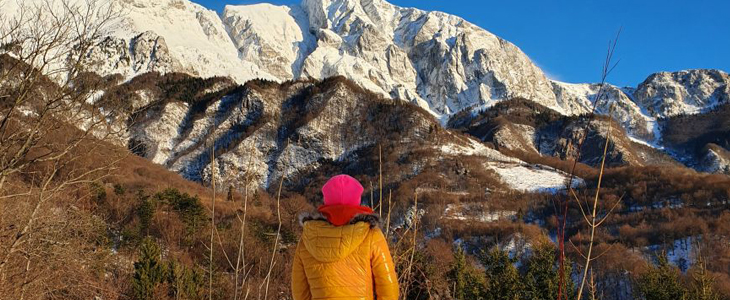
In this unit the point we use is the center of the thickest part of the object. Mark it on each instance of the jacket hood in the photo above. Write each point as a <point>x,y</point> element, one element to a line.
<point>339,215</point>
<point>329,243</point>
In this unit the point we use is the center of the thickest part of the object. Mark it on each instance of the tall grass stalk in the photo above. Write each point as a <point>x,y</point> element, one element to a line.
<point>591,218</point>
<point>561,206</point>
<point>276,239</point>
<point>380,187</point>
<point>212,221</point>
<point>387,220</point>
<point>241,257</point>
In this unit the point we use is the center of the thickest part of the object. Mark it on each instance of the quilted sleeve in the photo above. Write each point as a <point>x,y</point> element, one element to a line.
<point>385,279</point>
<point>299,283</point>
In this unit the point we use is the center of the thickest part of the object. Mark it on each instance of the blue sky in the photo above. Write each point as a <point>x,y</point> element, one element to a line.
<point>568,38</point>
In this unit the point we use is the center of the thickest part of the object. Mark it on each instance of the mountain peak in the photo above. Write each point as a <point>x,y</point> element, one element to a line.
<point>438,61</point>
<point>684,92</point>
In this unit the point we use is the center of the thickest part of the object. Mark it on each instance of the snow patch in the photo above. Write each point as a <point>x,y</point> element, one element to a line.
<point>477,213</point>
<point>533,178</point>
<point>475,148</point>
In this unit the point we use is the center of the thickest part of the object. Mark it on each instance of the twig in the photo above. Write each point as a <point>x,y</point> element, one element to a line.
<point>562,208</point>
<point>380,170</point>
<point>276,240</point>
<point>212,221</point>
<point>387,221</point>
<point>593,225</point>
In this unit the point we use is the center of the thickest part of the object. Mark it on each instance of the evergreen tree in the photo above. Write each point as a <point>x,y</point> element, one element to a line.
<point>503,279</point>
<point>702,283</point>
<point>148,270</point>
<point>465,280</point>
<point>542,276</point>
<point>229,197</point>
<point>661,282</point>
<point>184,282</point>
<point>146,212</point>
<point>189,208</point>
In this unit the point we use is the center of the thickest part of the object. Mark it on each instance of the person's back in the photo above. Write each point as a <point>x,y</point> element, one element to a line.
<point>342,253</point>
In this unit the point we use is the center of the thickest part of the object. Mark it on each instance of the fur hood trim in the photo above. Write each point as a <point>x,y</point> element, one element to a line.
<point>373,219</point>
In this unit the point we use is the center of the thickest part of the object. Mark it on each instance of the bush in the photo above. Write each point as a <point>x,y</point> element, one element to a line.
<point>118,189</point>
<point>98,192</point>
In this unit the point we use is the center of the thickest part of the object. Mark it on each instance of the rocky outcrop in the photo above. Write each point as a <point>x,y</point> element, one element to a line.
<point>668,94</point>
<point>608,100</point>
<point>662,95</point>
<point>146,52</point>
<point>274,38</point>
<point>521,126</point>
<point>716,160</point>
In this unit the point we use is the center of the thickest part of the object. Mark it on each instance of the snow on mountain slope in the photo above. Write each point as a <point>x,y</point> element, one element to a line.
<point>164,36</point>
<point>195,35</point>
<point>580,99</point>
<point>275,38</point>
<point>533,178</point>
<point>661,95</point>
<point>440,61</point>
<point>667,94</point>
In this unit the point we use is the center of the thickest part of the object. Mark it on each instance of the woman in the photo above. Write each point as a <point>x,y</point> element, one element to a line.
<point>343,254</point>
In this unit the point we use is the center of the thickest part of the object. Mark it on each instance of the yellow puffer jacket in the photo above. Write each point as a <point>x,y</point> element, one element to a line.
<point>345,263</point>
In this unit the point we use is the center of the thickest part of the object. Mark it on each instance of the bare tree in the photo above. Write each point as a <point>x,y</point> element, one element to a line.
<point>561,205</point>
<point>590,215</point>
<point>53,140</point>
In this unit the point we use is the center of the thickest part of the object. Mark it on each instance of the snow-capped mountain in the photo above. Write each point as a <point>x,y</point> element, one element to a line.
<point>661,95</point>
<point>438,61</point>
<point>170,36</point>
<point>668,94</point>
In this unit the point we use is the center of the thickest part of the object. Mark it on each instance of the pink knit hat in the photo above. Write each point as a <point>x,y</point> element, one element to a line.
<point>342,190</point>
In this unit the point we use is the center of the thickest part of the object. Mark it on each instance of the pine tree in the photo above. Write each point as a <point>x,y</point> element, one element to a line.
<point>541,280</point>
<point>189,208</point>
<point>145,212</point>
<point>503,279</point>
<point>184,282</point>
<point>464,278</point>
<point>148,270</point>
<point>229,197</point>
<point>702,283</point>
<point>661,282</point>
<point>457,274</point>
